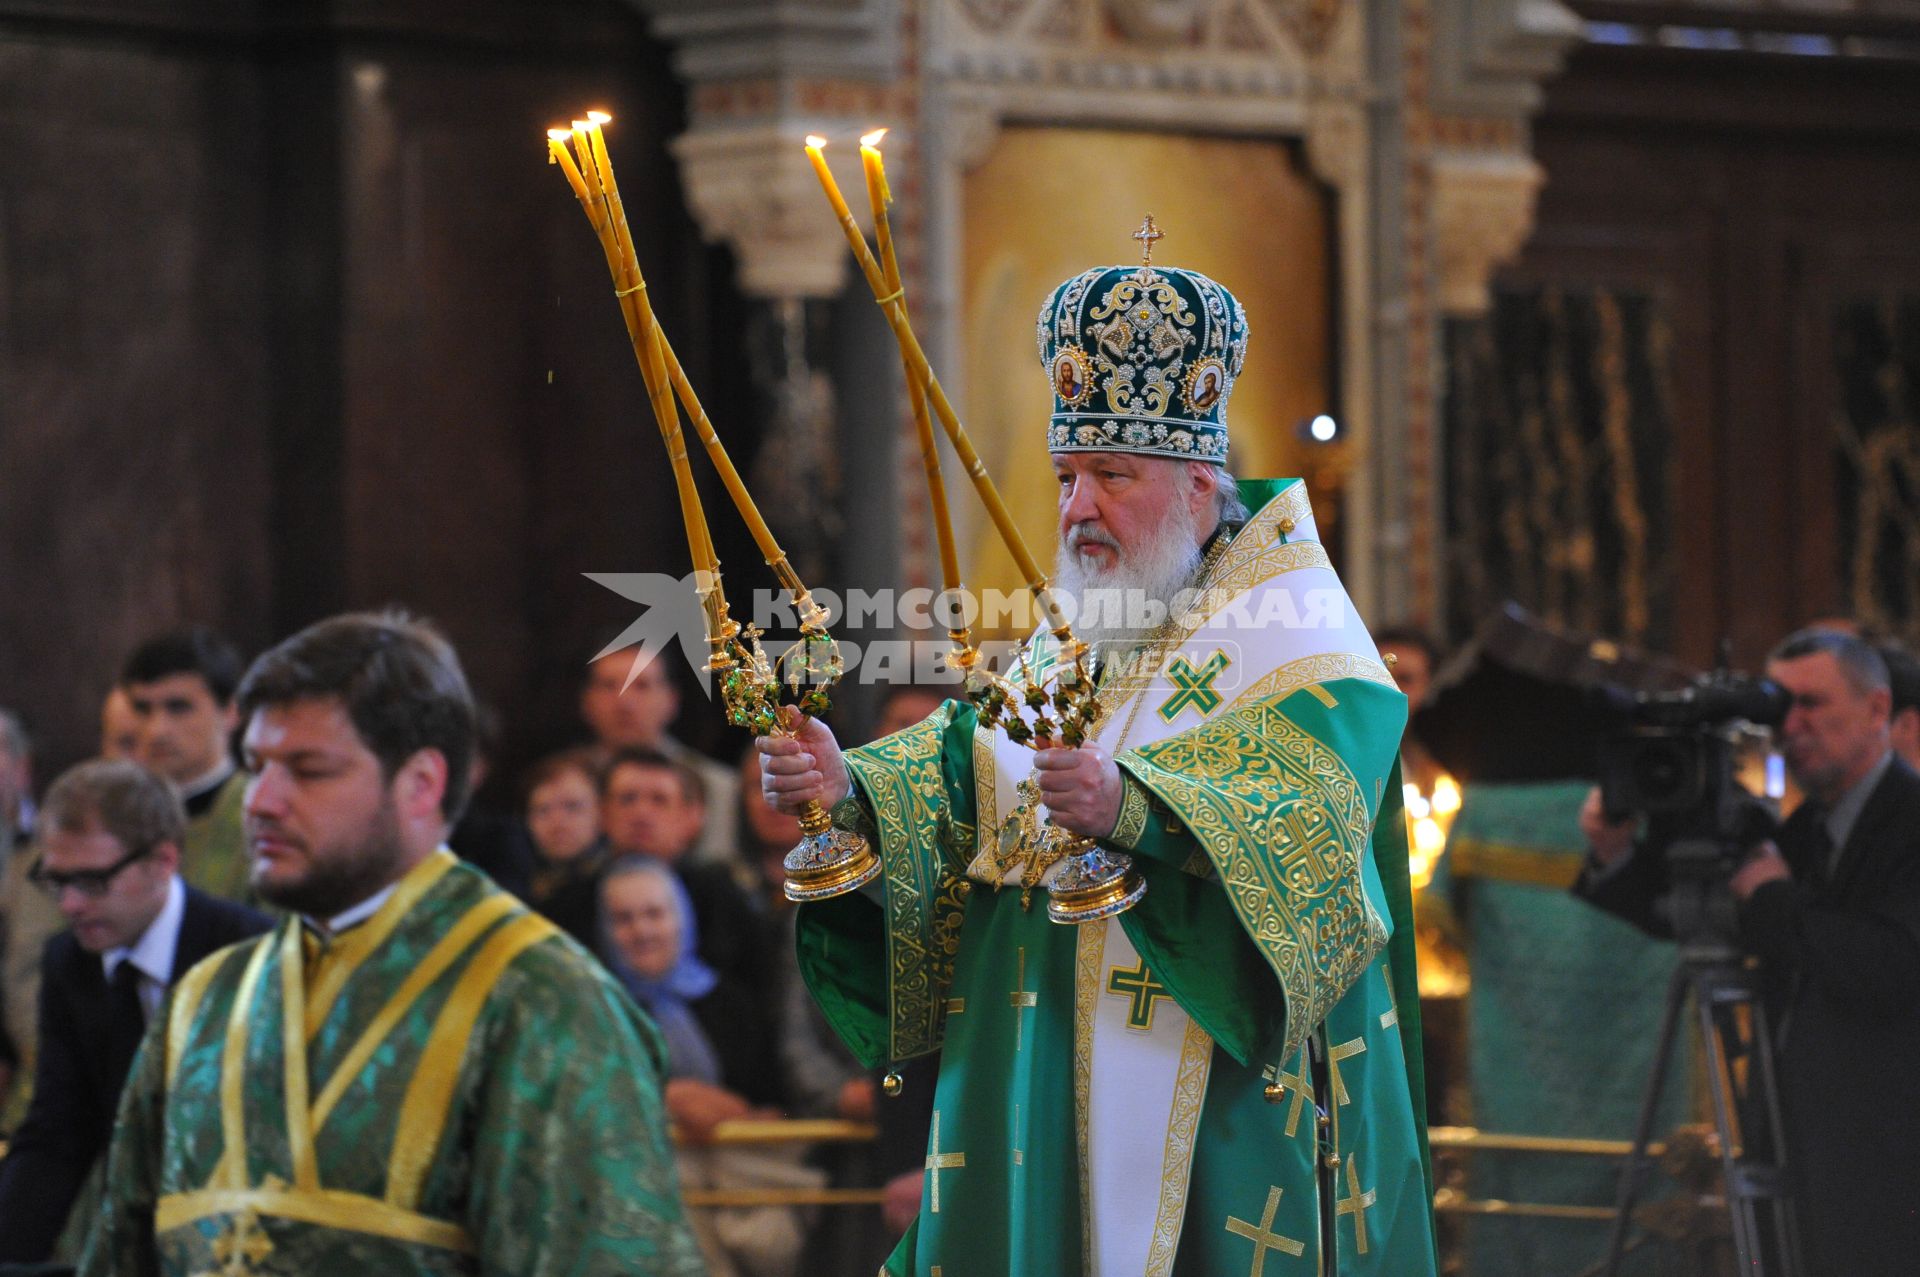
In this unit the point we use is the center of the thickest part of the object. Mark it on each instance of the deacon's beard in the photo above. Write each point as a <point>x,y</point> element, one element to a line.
<point>341,875</point>
<point>1119,607</point>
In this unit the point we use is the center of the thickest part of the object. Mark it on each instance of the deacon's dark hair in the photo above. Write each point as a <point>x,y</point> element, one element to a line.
<point>1903,675</point>
<point>692,788</point>
<point>1865,669</point>
<point>398,679</point>
<point>193,650</point>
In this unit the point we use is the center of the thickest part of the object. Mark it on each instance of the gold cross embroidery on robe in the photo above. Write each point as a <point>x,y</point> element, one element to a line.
<point>1262,1235</point>
<point>1391,1016</point>
<point>1021,1000</point>
<point>1345,1051</point>
<point>1194,686</point>
<point>1297,1083</point>
<point>1355,1203</point>
<point>938,1161</point>
<point>240,1249</point>
<point>1139,985</point>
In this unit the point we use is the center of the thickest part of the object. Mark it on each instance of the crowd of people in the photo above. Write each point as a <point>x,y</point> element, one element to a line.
<point>664,864</point>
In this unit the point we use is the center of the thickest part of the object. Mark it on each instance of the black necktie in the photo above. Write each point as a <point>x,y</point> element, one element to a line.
<point>129,1014</point>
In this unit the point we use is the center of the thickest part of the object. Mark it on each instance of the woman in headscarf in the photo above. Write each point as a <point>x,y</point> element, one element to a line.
<point>722,1064</point>
<point>722,1054</point>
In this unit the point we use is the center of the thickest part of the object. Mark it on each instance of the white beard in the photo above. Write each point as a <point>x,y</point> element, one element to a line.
<point>1116,609</point>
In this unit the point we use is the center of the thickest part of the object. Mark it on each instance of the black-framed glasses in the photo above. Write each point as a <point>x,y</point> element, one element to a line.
<point>92,883</point>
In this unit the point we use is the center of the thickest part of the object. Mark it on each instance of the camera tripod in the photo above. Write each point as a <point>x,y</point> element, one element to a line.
<point>1716,977</point>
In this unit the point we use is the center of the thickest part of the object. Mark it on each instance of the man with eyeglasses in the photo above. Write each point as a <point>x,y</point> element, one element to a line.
<point>110,836</point>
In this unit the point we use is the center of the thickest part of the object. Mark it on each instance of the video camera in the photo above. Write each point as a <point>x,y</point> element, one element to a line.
<point>1674,766</point>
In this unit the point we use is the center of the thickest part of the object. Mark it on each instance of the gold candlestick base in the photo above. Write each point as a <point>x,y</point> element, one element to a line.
<point>1093,883</point>
<point>828,862</point>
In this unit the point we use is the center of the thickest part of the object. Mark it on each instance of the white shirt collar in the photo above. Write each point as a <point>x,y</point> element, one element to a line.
<point>348,918</point>
<point>152,954</point>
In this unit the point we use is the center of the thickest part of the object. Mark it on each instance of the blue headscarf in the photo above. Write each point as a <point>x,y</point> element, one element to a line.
<point>668,998</point>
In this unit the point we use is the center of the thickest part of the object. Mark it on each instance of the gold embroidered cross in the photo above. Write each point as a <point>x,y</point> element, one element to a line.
<point>1263,1237</point>
<point>241,1248</point>
<point>1020,1000</point>
<point>1195,685</point>
<point>938,1161</point>
<point>1148,235</point>
<point>1308,844</point>
<point>1391,1016</point>
<point>1019,1154</point>
<point>1139,985</point>
<point>1345,1051</point>
<point>1355,1203</point>
<point>1297,1083</point>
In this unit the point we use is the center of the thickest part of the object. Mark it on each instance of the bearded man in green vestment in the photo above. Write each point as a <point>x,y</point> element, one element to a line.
<point>1226,1077</point>
<point>413,1073</point>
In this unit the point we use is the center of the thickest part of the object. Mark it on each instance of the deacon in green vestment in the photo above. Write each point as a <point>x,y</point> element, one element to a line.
<point>179,690</point>
<point>1225,1078</point>
<point>413,1073</point>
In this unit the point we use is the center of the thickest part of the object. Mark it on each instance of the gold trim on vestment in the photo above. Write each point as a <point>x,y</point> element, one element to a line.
<point>1310,671</point>
<point>1090,955</point>
<point>348,950</point>
<point>444,954</point>
<point>986,799</point>
<point>1176,1163</point>
<point>231,1170</point>
<point>429,1098</point>
<point>293,1050</point>
<point>184,1007</point>
<point>984,864</point>
<point>1291,505</point>
<point>1131,826</point>
<point>900,775</point>
<point>1287,826</point>
<point>325,1207</point>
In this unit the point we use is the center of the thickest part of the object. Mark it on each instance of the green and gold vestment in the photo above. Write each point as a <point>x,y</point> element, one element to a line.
<point>451,1086</point>
<point>1103,1101</point>
<point>214,857</point>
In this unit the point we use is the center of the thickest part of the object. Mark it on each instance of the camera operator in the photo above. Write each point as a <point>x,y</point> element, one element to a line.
<point>1832,909</point>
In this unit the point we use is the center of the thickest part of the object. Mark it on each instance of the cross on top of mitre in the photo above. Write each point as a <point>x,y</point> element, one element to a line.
<point>1148,235</point>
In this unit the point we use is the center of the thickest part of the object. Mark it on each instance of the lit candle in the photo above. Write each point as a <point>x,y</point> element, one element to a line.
<point>557,153</point>
<point>601,198</point>
<point>660,368</point>
<point>922,377</point>
<point>879,195</point>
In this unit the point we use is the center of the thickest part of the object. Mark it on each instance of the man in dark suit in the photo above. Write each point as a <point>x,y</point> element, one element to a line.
<point>110,837</point>
<point>1832,909</point>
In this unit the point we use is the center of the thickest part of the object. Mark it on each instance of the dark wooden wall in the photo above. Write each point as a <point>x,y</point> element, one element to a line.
<point>1749,200</point>
<point>294,317</point>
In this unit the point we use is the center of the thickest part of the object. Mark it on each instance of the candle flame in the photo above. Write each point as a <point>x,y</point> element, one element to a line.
<point>559,135</point>
<point>579,126</point>
<point>872,139</point>
<point>815,142</point>
<point>599,117</point>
